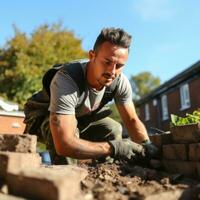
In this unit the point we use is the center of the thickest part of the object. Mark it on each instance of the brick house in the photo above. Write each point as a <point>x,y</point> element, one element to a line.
<point>11,120</point>
<point>179,95</point>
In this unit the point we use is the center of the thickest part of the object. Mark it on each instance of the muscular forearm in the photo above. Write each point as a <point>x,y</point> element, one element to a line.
<point>82,149</point>
<point>137,130</point>
<point>63,129</point>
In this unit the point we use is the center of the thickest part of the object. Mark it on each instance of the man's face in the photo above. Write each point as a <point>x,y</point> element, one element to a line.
<point>107,63</point>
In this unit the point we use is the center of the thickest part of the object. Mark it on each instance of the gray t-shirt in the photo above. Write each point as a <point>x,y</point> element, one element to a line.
<point>65,96</point>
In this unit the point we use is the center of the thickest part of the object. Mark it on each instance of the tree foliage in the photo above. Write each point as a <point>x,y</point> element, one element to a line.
<point>143,83</point>
<point>23,60</point>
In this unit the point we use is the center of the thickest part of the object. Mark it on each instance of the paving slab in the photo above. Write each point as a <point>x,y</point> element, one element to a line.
<point>10,197</point>
<point>47,182</point>
<point>11,161</point>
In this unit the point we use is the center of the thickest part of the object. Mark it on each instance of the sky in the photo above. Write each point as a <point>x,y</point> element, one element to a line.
<point>166,33</point>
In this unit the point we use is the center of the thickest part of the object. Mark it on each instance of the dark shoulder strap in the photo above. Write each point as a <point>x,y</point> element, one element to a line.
<point>74,70</point>
<point>48,76</point>
<point>110,91</point>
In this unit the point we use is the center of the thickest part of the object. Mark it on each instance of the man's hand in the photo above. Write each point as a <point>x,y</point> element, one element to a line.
<point>126,149</point>
<point>151,151</point>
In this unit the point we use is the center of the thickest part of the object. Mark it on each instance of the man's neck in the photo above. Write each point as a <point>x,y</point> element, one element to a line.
<point>90,78</point>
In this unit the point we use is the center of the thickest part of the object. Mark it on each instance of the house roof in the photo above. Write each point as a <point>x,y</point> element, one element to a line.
<point>12,113</point>
<point>191,71</point>
<point>8,106</point>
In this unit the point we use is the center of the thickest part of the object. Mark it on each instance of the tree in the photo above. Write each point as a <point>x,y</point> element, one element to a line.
<point>143,83</point>
<point>23,60</point>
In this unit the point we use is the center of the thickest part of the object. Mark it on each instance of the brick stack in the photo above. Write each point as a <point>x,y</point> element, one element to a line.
<point>23,175</point>
<point>180,149</point>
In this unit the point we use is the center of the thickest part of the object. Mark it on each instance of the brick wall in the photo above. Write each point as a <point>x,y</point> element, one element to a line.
<point>11,124</point>
<point>180,150</point>
<point>174,105</point>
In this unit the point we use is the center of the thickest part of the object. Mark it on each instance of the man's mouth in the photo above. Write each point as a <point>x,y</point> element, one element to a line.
<point>109,77</point>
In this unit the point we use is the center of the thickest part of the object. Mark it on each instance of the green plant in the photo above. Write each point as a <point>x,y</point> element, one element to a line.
<point>188,119</point>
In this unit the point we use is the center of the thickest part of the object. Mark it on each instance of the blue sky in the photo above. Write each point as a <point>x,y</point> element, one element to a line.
<point>166,33</point>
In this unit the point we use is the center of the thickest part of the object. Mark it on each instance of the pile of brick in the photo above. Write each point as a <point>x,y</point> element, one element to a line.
<point>23,176</point>
<point>180,149</point>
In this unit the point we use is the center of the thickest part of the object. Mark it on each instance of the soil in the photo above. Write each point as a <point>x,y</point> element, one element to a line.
<point>124,181</point>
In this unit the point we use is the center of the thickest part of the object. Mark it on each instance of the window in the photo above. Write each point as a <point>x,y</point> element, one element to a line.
<point>165,114</point>
<point>185,96</point>
<point>147,114</point>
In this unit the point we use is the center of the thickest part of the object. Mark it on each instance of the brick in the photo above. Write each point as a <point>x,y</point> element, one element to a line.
<point>194,152</point>
<point>186,134</point>
<point>198,169</point>
<point>47,183</point>
<point>187,168</point>
<point>18,143</point>
<point>160,139</point>
<point>10,197</point>
<point>11,161</point>
<point>175,151</point>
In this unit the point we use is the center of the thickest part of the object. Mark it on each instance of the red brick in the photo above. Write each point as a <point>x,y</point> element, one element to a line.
<point>187,168</point>
<point>18,143</point>
<point>186,134</point>
<point>59,182</point>
<point>11,161</point>
<point>160,139</point>
<point>198,169</point>
<point>194,152</point>
<point>175,151</point>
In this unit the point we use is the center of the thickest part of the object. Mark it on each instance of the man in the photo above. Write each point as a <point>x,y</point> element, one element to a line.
<point>75,134</point>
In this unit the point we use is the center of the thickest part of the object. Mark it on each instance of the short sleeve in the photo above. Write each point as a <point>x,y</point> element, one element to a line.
<point>64,94</point>
<point>123,93</point>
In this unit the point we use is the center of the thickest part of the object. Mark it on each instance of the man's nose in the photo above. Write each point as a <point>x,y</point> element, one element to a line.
<point>112,69</point>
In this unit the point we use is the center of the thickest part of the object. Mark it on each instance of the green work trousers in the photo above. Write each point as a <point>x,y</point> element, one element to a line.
<point>98,131</point>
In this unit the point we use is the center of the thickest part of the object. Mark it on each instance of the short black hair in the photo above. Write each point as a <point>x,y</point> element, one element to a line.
<point>115,36</point>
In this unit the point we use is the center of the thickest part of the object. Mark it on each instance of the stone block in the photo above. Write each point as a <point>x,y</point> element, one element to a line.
<point>171,195</point>
<point>187,168</point>
<point>47,183</point>
<point>194,152</point>
<point>186,134</point>
<point>10,197</point>
<point>175,151</point>
<point>11,161</point>
<point>160,139</point>
<point>18,143</point>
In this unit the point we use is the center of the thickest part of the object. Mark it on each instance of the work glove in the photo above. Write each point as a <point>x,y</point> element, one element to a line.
<point>125,149</point>
<point>150,150</point>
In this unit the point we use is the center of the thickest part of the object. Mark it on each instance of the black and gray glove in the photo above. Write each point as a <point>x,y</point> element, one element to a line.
<point>125,149</point>
<point>151,151</point>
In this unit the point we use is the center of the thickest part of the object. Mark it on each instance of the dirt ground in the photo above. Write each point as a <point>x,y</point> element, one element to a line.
<point>123,181</point>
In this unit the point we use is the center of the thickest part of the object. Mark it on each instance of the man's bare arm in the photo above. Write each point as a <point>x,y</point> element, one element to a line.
<point>63,129</point>
<point>136,128</point>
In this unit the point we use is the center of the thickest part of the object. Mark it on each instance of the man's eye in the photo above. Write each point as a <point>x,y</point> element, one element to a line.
<point>119,66</point>
<point>107,62</point>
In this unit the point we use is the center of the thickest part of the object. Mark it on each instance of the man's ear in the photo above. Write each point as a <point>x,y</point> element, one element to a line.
<point>91,55</point>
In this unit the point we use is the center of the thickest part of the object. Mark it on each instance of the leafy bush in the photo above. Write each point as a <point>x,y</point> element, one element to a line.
<point>189,119</point>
